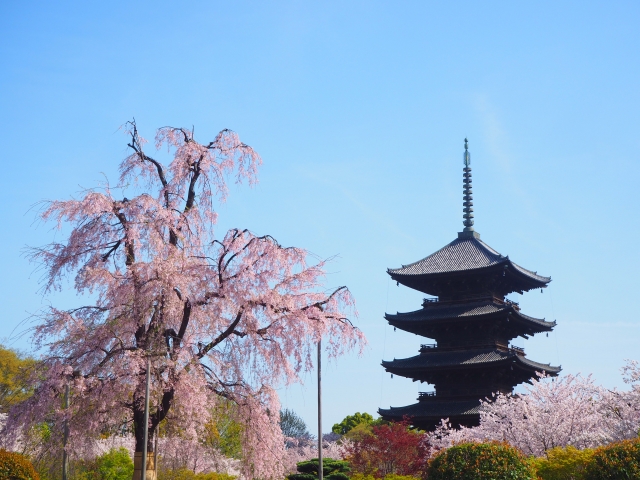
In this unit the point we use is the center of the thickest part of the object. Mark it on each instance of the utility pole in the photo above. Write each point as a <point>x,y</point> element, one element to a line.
<point>320,466</point>
<point>65,436</point>
<point>146,422</point>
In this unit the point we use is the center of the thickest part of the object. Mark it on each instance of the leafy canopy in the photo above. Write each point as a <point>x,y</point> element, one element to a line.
<point>15,370</point>
<point>350,421</point>
<point>292,425</point>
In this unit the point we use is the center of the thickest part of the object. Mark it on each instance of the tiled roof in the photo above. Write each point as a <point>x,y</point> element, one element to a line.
<point>436,311</point>
<point>454,358</point>
<point>468,253</point>
<point>434,408</point>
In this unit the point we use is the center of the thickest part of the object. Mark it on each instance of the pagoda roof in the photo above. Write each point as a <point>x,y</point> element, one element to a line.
<point>457,358</point>
<point>465,254</point>
<point>435,409</point>
<point>434,312</point>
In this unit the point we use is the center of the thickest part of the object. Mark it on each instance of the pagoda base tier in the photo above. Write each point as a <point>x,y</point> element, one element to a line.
<point>428,415</point>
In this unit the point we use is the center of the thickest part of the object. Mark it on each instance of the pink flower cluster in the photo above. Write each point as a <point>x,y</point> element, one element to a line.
<point>569,410</point>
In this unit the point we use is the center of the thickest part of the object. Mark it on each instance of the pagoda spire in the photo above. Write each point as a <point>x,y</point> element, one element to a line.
<point>467,196</point>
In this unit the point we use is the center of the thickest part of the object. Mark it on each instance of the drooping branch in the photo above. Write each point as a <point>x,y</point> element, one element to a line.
<point>229,330</point>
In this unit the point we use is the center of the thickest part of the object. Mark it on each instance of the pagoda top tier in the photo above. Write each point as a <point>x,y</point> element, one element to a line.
<point>467,266</point>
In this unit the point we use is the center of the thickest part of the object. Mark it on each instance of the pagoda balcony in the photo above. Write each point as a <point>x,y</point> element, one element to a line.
<point>422,396</point>
<point>459,393</point>
<point>433,347</point>
<point>486,297</point>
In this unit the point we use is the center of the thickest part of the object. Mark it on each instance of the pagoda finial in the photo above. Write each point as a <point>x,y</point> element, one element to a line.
<point>467,196</point>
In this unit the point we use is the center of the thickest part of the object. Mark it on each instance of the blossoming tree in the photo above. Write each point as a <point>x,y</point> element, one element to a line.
<point>218,317</point>
<point>569,411</point>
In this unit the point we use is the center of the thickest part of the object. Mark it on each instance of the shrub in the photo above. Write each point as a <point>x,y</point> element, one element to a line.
<point>619,461</point>
<point>480,461</point>
<point>16,466</point>
<point>388,449</point>
<point>563,464</point>
<point>392,476</point>
<point>115,465</point>
<point>186,474</point>
<point>331,470</point>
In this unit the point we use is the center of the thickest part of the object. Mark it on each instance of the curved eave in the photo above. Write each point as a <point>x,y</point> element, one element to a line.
<point>530,280</point>
<point>411,321</point>
<point>529,274</point>
<point>540,367</point>
<point>434,409</point>
<point>408,367</point>
<point>464,256</point>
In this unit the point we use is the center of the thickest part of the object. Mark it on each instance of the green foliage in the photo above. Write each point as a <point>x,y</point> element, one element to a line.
<point>359,432</point>
<point>480,461</point>
<point>292,425</point>
<point>115,465</point>
<point>619,461</point>
<point>331,470</point>
<point>16,467</point>
<point>563,464</point>
<point>391,476</point>
<point>186,474</point>
<point>15,370</point>
<point>223,432</point>
<point>350,421</point>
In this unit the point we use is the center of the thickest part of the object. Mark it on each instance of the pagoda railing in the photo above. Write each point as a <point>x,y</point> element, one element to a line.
<point>518,350</point>
<point>459,393</point>
<point>430,300</point>
<point>425,395</point>
<point>429,347</point>
<point>512,303</point>
<point>470,298</point>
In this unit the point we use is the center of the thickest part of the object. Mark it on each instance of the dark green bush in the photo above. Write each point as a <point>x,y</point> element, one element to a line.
<point>331,470</point>
<point>16,467</point>
<point>480,461</point>
<point>617,461</point>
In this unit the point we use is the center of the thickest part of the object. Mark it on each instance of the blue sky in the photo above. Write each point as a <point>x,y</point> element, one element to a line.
<point>359,110</point>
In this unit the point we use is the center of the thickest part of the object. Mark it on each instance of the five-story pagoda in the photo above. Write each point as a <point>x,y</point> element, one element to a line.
<point>472,323</point>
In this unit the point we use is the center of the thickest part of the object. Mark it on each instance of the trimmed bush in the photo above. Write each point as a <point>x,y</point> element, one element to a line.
<point>564,463</point>
<point>16,467</point>
<point>331,470</point>
<point>480,461</point>
<point>617,461</point>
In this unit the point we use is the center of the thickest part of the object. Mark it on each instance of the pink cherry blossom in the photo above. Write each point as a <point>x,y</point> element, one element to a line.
<point>219,317</point>
<point>570,410</point>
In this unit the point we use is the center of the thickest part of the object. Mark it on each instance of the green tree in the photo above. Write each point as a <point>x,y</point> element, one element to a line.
<point>15,369</point>
<point>224,432</point>
<point>292,425</point>
<point>115,465</point>
<point>350,421</point>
